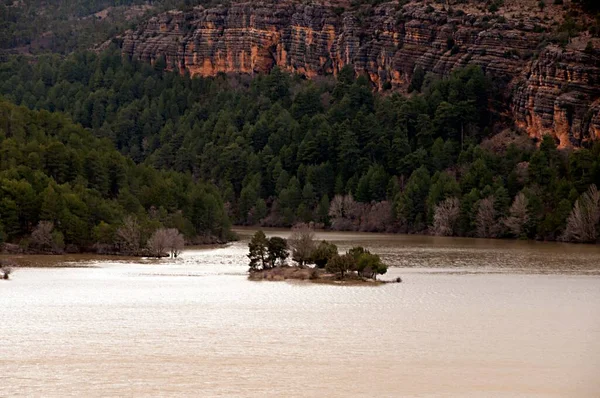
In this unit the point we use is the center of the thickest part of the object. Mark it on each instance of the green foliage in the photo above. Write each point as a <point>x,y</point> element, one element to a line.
<point>341,265</point>
<point>370,265</point>
<point>277,148</point>
<point>258,251</point>
<point>278,251</point>
<point>54,170</point>
<point>411,203</point>
<point>324,252</point>
<point>272,156</point>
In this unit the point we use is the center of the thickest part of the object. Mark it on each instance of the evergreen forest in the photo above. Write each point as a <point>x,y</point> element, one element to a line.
<point>128,137</point>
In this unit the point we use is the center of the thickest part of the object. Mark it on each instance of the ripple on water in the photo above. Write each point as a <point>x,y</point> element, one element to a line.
<point>470,319</point>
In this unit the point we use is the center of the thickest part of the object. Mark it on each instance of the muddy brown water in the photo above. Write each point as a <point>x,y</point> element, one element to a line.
<point>472,318</point>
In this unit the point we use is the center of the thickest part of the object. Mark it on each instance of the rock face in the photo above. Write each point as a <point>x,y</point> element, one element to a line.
<point>546,89</point>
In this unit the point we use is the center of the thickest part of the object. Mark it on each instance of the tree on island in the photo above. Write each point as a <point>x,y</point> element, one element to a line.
<point>341,265</point>
<point>370,265</point>
<point>267,253</point>
<point>323,253</point>
<point>278,251</point>
<point>271,254</point>
<point>302,243</point>
<point>367,264</point>
<point>259,253</point>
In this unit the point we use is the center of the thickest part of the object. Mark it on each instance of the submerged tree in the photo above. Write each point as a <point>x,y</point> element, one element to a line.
<point>166,241</point>
<point>158,242</point>
<point>175,242</point>
<point>6,268</point>
<point>6,271</point>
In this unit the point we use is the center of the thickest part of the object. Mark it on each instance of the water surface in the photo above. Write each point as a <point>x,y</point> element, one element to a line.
<point>472,318</point>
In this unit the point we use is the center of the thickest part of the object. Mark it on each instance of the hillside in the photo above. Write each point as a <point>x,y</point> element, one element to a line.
<point>282,149</point>
<point>544,59</point>
<point>403,118</point>
<point>54,171</point>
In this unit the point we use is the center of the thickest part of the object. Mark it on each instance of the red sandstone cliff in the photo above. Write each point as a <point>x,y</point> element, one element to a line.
<point>547,88</point>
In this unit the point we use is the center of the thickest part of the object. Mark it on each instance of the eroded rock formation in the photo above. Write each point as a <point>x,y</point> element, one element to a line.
<point>547,89</point>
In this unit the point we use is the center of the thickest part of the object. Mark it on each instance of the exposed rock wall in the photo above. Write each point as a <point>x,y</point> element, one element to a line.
<point>548,91</point>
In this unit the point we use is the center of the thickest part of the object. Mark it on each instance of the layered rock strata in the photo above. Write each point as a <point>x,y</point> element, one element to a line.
<point>545,88</point>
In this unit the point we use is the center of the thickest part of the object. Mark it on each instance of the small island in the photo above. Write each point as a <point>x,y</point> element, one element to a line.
<point>313,262</point>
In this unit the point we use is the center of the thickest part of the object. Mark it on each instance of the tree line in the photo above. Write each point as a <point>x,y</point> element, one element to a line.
<point>283,150</point>
<point>62,188</point>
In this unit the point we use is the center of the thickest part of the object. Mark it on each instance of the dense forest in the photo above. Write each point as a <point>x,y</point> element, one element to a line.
<point>283,150</point>
<point>71,190</point>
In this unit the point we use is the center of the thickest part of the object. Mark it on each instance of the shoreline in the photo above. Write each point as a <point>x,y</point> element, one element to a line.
<point>33,259</point>
<point>245,230</point>
<point>13,249</point>
<point>313,275</point>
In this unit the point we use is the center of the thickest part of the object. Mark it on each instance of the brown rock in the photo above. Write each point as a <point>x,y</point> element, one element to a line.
<point>556,93</point>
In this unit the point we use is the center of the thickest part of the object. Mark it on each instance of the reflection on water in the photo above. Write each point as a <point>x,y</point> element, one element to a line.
<point>472,318</point>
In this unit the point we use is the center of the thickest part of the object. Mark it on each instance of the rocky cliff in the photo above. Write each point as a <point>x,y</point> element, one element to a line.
<point>545,88</point>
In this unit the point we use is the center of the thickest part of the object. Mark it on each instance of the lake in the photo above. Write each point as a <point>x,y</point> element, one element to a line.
<point>472,318</point>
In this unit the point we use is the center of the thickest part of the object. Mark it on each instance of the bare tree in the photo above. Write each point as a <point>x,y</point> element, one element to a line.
<point>583,221</point>
<point>346,213</point>
<point>302,243</point>
<point>445,217</point>
<point>486,218</point>
<point>519,216</point>
<point>176,242</point>
<point>336,207</point>
<point>377,217</point>
<point>158,242</point>
<point>165,241</point>
<point>130,236</point>
<point>41,237</point>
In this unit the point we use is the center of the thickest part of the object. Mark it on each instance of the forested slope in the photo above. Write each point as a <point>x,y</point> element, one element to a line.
<point>282,150</point>
<point>53,170</point>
